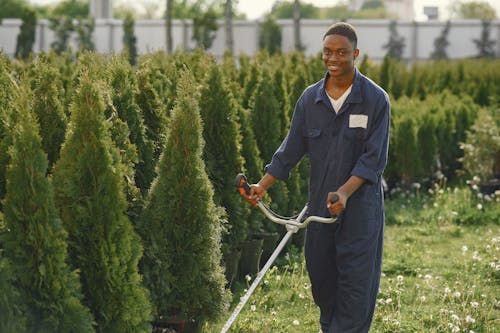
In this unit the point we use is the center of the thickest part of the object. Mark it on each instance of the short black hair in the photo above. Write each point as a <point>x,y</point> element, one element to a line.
<point>344,29</point>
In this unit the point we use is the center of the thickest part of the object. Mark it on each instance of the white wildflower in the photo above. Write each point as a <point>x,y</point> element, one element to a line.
<point>457,294</point>
<point>423,299</point>
<point>388,301</point>
<point>474,304</point>
<point>479,206</point>
<point>400,277</point>
<point>295,322</point>
<point>253,308</point>
<point>470,320</point>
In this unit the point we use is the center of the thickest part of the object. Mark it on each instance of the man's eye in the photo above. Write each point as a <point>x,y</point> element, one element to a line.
<point>341,53</point>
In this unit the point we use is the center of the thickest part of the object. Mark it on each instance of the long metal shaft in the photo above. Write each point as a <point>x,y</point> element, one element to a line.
<point>258,278</point>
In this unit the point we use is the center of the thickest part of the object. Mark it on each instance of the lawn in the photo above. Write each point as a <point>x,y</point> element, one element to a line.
<point>441,272</point>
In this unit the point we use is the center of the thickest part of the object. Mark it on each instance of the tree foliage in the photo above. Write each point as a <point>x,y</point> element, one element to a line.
<point>26,37</point>
<point>484,44</point>
<point>474,10</point>
<point>396,44</point>
<point>441,43</point>
<point>181,225</point>
<point>88,179</point>
<point>36,240</point>
<point>270,35</point>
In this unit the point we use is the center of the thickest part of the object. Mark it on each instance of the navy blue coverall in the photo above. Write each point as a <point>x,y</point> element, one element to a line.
<point>343,259</point>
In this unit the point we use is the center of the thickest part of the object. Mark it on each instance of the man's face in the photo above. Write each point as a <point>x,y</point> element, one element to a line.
<point>339,55</point>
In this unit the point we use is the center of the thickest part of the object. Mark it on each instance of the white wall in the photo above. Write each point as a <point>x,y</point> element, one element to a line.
<point>372,35</point>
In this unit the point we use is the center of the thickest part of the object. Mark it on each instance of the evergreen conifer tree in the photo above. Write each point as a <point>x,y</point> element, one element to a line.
<point>253,164</point>
<point>88,179</point>
<point>251,81</point>
<point>181,225</point>
<point>441,43</point>
<point>266,120</point>
<point>7,96</point>
<point>222,153</point>
<point>124,89</point>
<point>12,319</point>
<point>36,240</point>
<point>396,44</point>
<point>154,111</point>
<point>129,39</point>
<point>26,37</point>
<point>484,44</point>
<point>385,73</point>
<point>47,88</point>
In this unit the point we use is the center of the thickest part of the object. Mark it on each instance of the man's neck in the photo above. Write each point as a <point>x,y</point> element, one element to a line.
<point>342,82</point>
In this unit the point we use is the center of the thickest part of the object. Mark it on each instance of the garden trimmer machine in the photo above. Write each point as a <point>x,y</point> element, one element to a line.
<point>292,225</point>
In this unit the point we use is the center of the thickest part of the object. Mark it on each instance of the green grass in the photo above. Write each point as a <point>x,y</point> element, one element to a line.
<point>441,273</point>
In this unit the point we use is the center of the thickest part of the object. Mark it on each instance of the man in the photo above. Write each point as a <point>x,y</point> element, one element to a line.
<point>342,123</point>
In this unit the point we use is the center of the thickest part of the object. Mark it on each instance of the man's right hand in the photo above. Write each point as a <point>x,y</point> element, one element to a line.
<point>257,192</point>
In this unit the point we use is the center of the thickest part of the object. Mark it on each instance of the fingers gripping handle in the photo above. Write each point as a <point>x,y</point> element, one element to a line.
<point>242,184</point>
<point>334,198</point>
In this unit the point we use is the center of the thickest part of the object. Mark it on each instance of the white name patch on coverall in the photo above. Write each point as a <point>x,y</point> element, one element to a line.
<point>358,120</point>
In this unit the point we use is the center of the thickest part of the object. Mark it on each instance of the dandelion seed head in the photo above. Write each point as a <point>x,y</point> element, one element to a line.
<point>253,308</point>
<point>474,304</point>
<point>457,294</point>
<point>400,277</point>
<point>470,319</point>
<point>296,322</point>
<point>479,206</point>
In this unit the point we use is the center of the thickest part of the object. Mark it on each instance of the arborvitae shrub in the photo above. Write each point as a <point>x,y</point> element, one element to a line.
<point>48,93</point>
<point>181,226</point>
<point>35,242</point>
<point>26,37</point>
<point>251,81</point>
<point>12,319</point>
<point>222,153</point>
<point>129,39</point>
<point>88,179</point>
<point>253,165</point>
<point>266,121</point>
<point>7,97</point>
<point>154,112</point>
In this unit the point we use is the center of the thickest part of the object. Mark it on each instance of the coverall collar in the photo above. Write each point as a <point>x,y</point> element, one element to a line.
<point>354,97</point>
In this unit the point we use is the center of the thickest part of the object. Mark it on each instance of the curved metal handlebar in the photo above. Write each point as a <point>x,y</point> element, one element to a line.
<point>289,222</point>
<point>294,222</point>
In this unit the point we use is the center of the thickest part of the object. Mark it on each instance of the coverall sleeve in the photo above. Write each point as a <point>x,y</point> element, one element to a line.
<point>372,162</point>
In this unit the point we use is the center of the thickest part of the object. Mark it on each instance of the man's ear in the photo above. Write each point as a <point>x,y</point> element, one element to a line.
<point>356,53</point>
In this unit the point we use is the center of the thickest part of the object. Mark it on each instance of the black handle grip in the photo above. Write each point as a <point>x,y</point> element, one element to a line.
<point>242,184</point>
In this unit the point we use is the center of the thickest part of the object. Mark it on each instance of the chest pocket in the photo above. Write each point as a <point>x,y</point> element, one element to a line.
<point>312,133</point>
